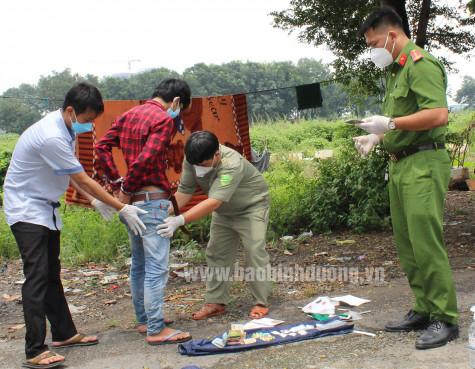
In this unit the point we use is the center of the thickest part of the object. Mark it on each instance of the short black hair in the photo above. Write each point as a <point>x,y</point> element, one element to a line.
<point>201,146</point>
<point>170,88</point>
<point>384,15</point>
<point>83,96</point>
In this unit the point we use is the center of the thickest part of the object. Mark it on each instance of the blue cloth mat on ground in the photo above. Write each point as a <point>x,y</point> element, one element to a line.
<point>329,327</point>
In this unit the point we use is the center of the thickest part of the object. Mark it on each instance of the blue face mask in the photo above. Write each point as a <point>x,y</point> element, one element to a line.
<point>80,127</point>
<point>172,113</point>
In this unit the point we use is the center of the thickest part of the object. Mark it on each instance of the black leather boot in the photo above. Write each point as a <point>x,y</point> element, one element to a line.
<point>437,334</point>
<point>411,322</point>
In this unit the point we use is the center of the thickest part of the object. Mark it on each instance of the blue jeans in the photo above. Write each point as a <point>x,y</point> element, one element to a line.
<point>149,270</point>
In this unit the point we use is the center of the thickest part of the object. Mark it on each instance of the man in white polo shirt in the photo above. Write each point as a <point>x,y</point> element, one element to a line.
<point>43,165</point>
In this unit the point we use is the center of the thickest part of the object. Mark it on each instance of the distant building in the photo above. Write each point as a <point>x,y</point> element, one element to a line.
<point>121,75</point>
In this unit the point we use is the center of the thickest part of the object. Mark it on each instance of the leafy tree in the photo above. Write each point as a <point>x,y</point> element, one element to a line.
<point>16,115</point>
<point>466,93</point>
<point>54,87</point>
<point>432,24</point>
<point>251,77</point>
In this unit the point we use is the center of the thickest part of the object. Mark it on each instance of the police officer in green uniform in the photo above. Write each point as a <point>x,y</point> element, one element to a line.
<point>238,198</point>
<point>412,129</point>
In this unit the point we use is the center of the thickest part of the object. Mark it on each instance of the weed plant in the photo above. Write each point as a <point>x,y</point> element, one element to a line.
<point>319,195</point>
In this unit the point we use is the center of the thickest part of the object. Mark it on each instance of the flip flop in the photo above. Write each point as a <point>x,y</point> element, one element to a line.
<point>76,341</point>
<point>167,342</point>
<point>167,323</point>
<point>207,311</point>
<point>45,355</point>
<point>260,311</point>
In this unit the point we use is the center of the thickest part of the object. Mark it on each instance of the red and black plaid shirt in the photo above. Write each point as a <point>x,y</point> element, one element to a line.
<point>143,134</point>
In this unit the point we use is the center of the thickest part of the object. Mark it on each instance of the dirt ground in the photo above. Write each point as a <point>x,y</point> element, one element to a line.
<point>99,298</point>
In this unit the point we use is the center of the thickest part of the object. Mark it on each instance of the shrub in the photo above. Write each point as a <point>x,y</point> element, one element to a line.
<point>345,192</point>
<point>5,157</point>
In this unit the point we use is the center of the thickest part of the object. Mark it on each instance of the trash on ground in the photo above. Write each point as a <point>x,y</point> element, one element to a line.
<point>109,279</point>
<point>350,300</point>
<point>304,236</point>
<point>321,305</point>
<point>174,297</point>
<point>181,274</point>
<point>365,333</point>
<point>76,309</point>
<point>93,273</point>
<point>178,266</point>
<point>345,242</point>
<point>344,258</point>
<point>323,253</point>
<point>287,252</point>
<point>16,328</point>
<point>287,238</point>
<point>9,298</point>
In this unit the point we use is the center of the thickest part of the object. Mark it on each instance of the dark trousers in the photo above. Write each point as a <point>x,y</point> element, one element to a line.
<point>42,291</point>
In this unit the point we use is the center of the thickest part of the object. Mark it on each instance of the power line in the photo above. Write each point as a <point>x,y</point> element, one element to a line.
<point>47,100</point>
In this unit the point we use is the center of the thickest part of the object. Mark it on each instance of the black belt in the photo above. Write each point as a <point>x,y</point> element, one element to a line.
<point>414,149</point>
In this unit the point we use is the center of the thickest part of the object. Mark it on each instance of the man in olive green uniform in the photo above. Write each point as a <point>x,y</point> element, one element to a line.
<point>238,198</point>
<point>413,132</point>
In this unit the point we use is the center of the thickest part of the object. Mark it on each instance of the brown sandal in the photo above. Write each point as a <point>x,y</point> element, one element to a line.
<point>35,362</point>
<point>258,312</point>
<point>207,311</point>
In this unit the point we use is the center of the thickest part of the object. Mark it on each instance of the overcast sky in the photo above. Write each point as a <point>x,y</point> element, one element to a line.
<point>100,37</point>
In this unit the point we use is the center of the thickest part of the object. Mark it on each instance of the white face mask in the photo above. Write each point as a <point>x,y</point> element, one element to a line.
<point>382,57</point>
<point>202,171</point>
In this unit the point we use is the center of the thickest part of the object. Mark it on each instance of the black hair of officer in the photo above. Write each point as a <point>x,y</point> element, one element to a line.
<point>384,15</point>
<point>201,146</point>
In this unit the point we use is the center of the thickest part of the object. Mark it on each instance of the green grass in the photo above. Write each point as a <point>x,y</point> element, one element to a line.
<point>307,195</point>
<point>8,141</point>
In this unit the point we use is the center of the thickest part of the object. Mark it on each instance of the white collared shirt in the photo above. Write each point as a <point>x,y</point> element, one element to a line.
<point>39,171</point>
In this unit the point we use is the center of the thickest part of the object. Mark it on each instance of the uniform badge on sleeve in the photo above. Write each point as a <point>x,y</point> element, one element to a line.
<point>416,55</point>
<point>226,179</point>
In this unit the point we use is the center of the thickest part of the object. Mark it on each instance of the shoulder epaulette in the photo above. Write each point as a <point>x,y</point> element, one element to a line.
<point>416,55</point>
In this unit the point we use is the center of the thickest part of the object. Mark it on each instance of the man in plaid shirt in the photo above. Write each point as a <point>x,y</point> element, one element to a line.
<point>144,134</point>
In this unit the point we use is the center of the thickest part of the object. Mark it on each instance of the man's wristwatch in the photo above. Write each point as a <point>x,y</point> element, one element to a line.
<point>391,124</point>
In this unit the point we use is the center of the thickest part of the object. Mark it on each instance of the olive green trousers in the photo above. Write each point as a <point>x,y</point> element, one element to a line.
<point>226,233</point>
<point>417,189</point>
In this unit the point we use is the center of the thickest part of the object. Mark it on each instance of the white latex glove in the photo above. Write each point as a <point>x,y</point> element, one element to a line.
<point>129,212</point>
<point>170,225</point>
<point>103,209</point>
<point>376,124</point>
<point>364,144</point>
